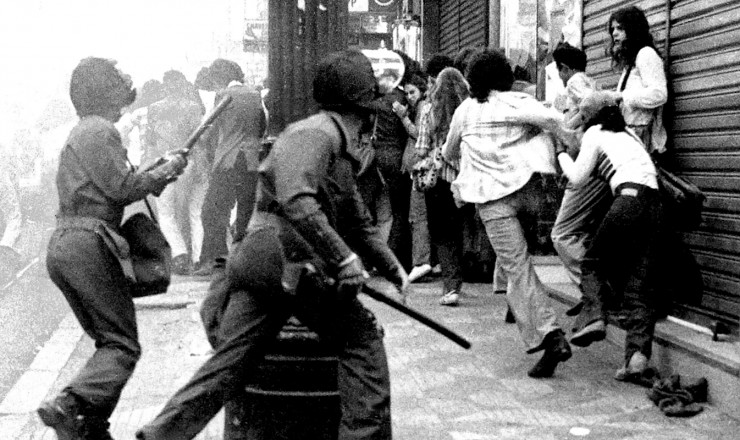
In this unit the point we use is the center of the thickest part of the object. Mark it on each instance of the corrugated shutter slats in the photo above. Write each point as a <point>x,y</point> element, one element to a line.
<point>704,70</point>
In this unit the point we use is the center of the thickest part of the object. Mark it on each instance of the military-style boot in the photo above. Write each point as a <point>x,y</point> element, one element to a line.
<point>63,415</point>
<point>557,350</point>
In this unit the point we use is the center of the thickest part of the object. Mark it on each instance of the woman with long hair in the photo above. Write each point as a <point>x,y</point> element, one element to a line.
<point>642,89</point>
<point>443,216</point>
<point>490,136</point>
<point>416,90</point>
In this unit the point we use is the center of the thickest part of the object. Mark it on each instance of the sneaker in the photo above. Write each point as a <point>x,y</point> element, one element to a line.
<point>62,415</point>
<point>181,264</point>
<point>451,298</point>
<point>203,269</point>
<point>635,367</point>
<point>419,271</point>
<point>557,350</point>
<point>593,332</point>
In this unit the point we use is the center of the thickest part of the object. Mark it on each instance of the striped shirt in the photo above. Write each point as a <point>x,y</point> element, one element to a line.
<point>430,146</point>
<point>616,158</point>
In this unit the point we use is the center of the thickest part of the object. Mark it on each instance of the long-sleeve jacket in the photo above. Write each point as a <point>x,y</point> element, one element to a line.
<point>644,94</point>
<point>94,179</point>
<point>491,139</point>
<point>308,191</point>
<point>238,129</point>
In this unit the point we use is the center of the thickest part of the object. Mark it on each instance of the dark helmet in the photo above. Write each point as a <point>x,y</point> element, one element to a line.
<point>345,79</point>
<point>97,86</point>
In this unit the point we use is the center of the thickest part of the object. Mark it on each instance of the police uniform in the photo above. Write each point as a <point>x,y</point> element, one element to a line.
<point>307,180</point>
<point>94,185</point>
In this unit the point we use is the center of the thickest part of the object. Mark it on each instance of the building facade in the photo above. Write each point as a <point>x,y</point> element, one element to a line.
<point>700,41</point>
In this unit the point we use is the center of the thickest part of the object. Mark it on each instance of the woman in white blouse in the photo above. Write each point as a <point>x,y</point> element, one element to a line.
<point>642,88</point>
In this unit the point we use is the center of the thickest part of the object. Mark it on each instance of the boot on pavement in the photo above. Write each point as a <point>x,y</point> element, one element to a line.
<point>63,415</point>
<point>557,350</point>
<point>95,428</point>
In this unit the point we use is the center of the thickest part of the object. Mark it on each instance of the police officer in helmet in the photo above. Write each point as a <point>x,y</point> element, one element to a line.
<point>308,211</point>
<point>84,257</point>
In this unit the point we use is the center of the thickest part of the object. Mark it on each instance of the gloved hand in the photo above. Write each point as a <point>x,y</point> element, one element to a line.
<point>351,277</point>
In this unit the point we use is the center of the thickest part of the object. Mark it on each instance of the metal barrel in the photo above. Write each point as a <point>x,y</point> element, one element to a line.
<point>292,396</point>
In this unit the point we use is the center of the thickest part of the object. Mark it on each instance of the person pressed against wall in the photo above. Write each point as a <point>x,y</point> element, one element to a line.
<point>584,206</point>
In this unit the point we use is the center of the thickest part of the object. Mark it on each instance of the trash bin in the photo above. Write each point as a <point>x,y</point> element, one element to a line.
<point>292,396</point>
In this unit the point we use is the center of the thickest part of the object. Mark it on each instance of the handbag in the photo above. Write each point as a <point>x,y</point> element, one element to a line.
<point>150,254</point>
<point>425,174</point>
<point>682,200</point>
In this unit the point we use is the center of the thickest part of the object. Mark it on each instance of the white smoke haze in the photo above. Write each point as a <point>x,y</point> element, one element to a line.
<point>42,40</point>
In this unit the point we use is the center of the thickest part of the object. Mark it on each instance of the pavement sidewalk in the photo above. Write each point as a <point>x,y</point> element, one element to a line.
<point>439,390</point>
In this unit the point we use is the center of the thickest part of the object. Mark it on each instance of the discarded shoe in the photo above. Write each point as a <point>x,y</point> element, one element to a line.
<point>63,415</point>
<point>593,332</point>
<point>557,350</point>
<point>451,298</point>
<point>418,272</point>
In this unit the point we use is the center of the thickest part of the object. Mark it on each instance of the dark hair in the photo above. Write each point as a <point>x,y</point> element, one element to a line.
<point>489,70</point>
<point>571,56</point>
<point>610,118</point>
<point>224,71</point>
<point>203,80</point>
<point>151,92</point>
<point>449,91</point>
<point>638,35</point>
<point>411,67</point>
<point>419,81</point>
<point>437,63</point>
<point>463,58</point>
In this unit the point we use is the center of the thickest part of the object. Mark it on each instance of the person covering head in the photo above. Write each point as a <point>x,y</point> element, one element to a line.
<point>345,80</point>
<point>97,87</point>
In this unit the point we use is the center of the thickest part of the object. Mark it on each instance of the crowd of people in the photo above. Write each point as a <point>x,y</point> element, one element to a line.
<point>375,181</point>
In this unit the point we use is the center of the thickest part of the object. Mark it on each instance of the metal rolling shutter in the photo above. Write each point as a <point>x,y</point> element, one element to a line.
<point>704,70</point>
<point>462,23</point>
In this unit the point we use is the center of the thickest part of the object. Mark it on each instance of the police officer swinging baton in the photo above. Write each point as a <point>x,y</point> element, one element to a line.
<point>434,325</point>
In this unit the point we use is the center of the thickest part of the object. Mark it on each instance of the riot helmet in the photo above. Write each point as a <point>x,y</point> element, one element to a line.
<point>97,86</point>
<point>345,79</point>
